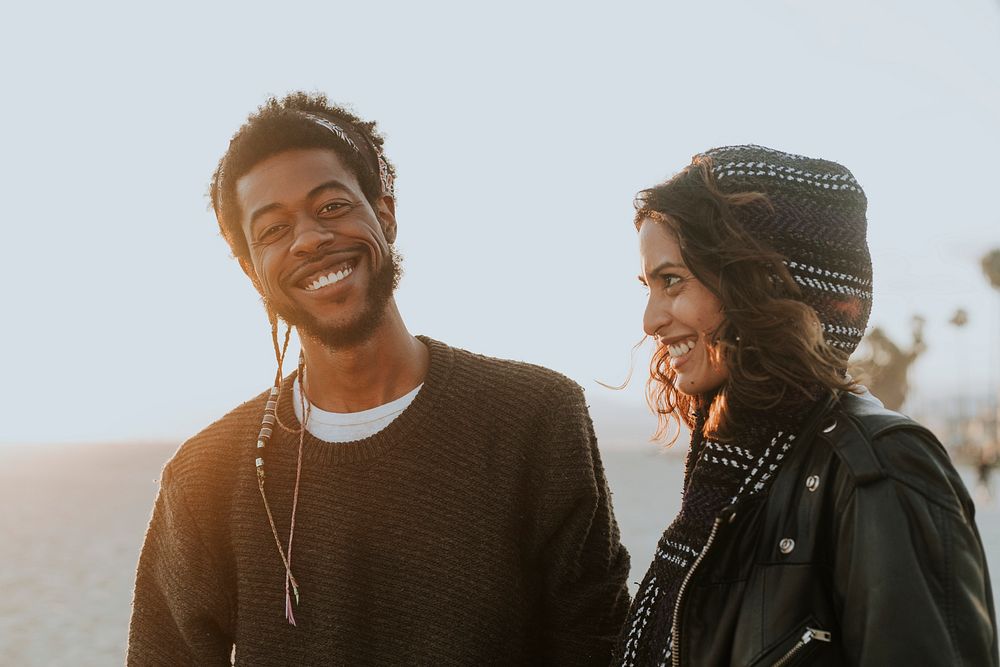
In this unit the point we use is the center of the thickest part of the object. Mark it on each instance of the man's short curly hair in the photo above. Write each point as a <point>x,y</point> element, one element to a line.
<point>278,126</point>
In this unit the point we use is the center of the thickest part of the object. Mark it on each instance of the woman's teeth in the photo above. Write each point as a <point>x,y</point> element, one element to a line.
<point>329,279</point>
<point>681,348</point>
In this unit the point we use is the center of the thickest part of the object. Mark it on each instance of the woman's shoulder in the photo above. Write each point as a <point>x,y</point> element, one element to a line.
<point>874,443</point>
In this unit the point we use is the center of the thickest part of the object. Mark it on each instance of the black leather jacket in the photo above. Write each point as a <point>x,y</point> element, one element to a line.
<point>865,552</point>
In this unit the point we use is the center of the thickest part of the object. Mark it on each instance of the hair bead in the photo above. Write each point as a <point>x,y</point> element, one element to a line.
<point>268,420</point>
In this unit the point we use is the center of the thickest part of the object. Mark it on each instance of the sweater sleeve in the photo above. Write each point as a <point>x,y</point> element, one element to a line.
<point>910,575</point>
<point>584,564</point>
<point>180,612</point>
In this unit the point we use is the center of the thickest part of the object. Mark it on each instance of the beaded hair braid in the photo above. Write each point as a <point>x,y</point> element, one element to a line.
<point>359,140</point>
<point>268,422</point>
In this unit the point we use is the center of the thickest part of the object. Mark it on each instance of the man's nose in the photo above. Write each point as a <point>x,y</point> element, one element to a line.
<point>311,236</point>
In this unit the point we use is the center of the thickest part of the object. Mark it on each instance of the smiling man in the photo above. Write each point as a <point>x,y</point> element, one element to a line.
<point>393,501</point>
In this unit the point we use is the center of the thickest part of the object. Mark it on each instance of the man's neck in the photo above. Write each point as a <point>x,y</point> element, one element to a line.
<point>389,364</point>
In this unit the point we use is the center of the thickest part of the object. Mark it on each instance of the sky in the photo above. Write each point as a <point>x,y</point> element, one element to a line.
<point>520,132</point>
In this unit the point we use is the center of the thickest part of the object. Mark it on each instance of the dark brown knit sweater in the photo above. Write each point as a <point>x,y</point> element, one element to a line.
<point>475,529</point>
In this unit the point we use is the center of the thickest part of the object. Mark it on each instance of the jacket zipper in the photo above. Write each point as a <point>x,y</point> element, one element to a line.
<point>809,635</point>
<point>675,658</point>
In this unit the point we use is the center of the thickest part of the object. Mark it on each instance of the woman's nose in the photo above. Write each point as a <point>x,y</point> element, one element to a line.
<point>656,316</point>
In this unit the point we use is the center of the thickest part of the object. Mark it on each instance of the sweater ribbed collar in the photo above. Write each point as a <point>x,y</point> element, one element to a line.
<point>401,429</point>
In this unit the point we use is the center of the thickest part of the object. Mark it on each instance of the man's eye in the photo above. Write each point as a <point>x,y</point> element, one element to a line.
<point>670,280</point>
<point>333,207</point>
<point>271,232</point>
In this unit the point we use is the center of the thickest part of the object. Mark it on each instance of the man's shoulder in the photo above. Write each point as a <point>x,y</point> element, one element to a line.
<point>539,415</point>
<point>217,445</point>
<point>512,379</point>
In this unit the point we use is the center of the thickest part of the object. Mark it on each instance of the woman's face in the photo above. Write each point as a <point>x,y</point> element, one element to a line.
<point>681,313</point>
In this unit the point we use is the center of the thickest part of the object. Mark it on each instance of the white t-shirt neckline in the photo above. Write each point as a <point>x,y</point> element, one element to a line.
<point>350,426</point>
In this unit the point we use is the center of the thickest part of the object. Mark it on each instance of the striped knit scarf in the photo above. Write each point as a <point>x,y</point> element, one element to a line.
<point>716,475</point>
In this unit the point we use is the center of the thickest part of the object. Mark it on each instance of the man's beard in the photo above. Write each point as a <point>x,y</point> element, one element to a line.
<point>350,334</point>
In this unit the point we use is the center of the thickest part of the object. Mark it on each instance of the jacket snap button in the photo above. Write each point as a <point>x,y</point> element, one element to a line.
<point>812,482</point>
<point>786,545</point>
<point>829,427</point>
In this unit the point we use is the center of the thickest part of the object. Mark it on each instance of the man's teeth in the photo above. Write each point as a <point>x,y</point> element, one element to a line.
<point>681,348</point>
<point>329,279</point>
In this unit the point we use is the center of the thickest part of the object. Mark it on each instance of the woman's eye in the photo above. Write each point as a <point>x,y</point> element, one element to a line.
<point>670,280</point>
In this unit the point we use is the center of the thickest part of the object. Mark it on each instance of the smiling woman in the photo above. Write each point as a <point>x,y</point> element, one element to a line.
<point>681,314</point>
<point>757,323</point>
<point>807,510</point>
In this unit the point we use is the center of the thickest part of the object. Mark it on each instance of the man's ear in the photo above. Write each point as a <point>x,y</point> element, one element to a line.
<point>385,211</point>
<point>248,269</point>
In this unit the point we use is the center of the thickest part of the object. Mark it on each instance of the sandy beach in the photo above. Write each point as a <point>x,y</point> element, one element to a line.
<point>72,519</point>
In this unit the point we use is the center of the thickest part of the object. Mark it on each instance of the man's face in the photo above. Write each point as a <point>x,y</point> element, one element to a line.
<point>319,252</point>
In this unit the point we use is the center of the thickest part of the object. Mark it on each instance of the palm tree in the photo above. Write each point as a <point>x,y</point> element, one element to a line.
<point>883,365</point>
<point>991,269</point>
<point>959,320</point>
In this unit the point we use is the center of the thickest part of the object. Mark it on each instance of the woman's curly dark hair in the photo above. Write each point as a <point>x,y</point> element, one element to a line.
<point>770,342</point>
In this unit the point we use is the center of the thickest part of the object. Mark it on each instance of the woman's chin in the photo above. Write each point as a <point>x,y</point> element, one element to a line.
<point>696,388</point>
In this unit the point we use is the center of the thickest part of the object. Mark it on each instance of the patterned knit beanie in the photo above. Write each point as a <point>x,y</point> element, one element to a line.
<point>818,224</point>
